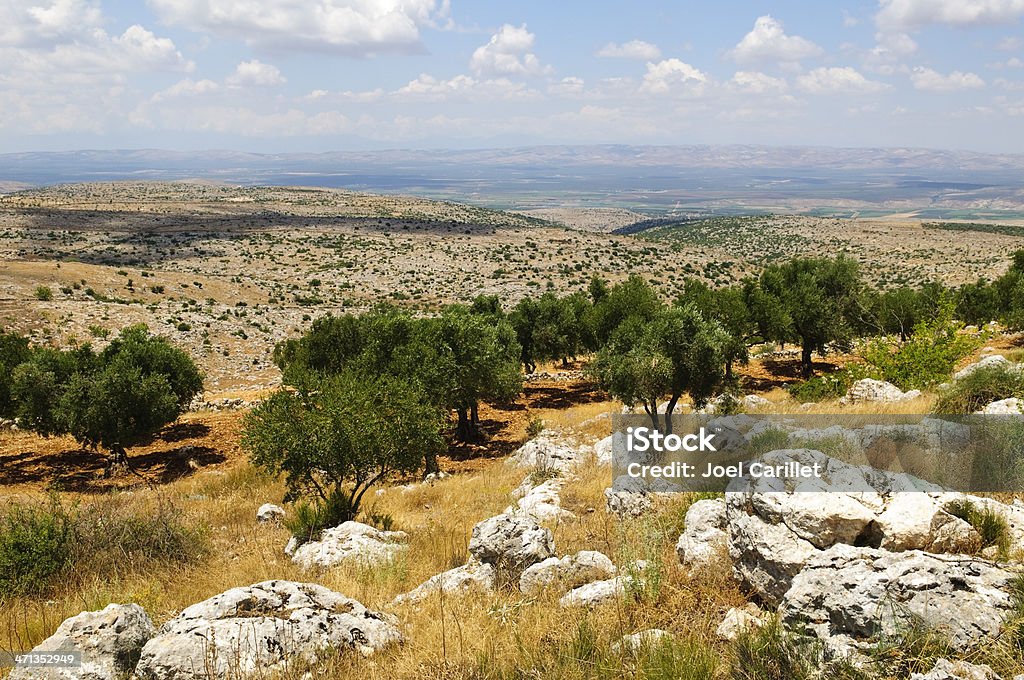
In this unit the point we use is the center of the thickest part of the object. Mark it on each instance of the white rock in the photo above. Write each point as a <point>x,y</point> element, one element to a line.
<point>598,592</point>
<point>737,621</point>
<point>754,402</point>
<point>262,628</point>
<point>268,512</point>
<point>110,641</point>
<point>543,502</point>
<point>863,593</point>
<point>546,453</point>
<point>511,543</point>
<point>945,669</point>
<point>624,503</point>
<point>351,541</point>
<point>869,390</point>
<point>643,640</point>
<point>566,573</point>
<point>984,362</point>
<point>472,575</point>
<point>704,541</point>
<point>1011,406</point>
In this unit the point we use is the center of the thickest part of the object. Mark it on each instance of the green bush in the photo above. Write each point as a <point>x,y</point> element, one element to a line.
<point>45,544</point>
<point>534,427</point>
<point>928,357</point>
<point>36,544</point>
<point>309,519</point>
<point>773,653</point>
<point>43,293</point>
<point>822,387</point>
<point>981,387</point>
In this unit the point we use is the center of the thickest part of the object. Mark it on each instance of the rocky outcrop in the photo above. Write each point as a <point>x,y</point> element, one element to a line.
<point>110,641</point>
<point>470,576</point>
<point>855,594</point>
<point>739,621</point>
<point>511,543</point>
<point>870,390</point>
<point>542,502</point>
<point>352,542</point>
<point>705,541</point>
<point>1004,407</point>
<point>546,453</point>
<point>566,573</point>
<point>262,628</point>
<point>772,536</point>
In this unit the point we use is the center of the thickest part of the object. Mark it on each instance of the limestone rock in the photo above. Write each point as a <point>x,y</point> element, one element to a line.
<point>566,573</point>
<point>110,640</point>
<point>268,512</point>
<point>459,580</point>
<point>705,540</point>
<point>262,628</point>
<point>350,541</point>
<point>511,543</point>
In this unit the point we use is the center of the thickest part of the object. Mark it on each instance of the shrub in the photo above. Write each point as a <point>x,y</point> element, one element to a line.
<point>821,388</point>
<point>930,355</point>
<point>981,387</point>
<point>35,547</point>
<point>534,427</point>
<point>309,519</point>
<point>772,439</point>
<point>43,293</point>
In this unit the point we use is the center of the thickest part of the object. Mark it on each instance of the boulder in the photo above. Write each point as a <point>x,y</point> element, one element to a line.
<point>643,640</point>
<point>268,512</point>
<point>737,621</point>
<point>511,543</point>
<point>262,628</point>
<point>545,453</point>
<point>625,503</point>
<point>598,592</point>
<point>945,669</point>
<point>566,573</point>
<point>860,593</point>
<point>353,542</point>
<point>110,640</point>
<point>542,502</point>
<point>754,402</point>
<point>459,580</point>
<point>705,540</point>
<point>984,362</point>
<point>870,390</point>
<point>1003,407</point>
<point>775,528</point>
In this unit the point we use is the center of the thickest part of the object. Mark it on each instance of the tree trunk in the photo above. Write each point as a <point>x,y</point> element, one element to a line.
<point>430,466</point>
<point>806,363</point>
<point>668,413</point>
<point>462,431</point>
<point>474,415</point>
<point>565,362</point>
<point>117,462</point>
<point>652,412</point>
<point>728,369</point>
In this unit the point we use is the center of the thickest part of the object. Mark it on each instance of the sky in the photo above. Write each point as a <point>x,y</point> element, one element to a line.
<point>316,75</point>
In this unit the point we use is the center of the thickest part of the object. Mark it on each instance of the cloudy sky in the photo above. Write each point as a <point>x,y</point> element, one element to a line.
<point>315,75</point>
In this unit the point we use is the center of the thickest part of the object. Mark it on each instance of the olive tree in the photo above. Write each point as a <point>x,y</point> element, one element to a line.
<point>338,440</point>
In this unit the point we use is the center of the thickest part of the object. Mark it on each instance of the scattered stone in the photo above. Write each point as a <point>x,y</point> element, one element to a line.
<point>511,543</point>
<point>705,541</point>
<point>110,640</point>
<point>459,580</point>
<point>754,402</point>
<point>542,502</point>
<point>945,669</point>
<point>869,390</point>
<point>598,592</point>
<point>625,503</point>
<point>262,628</point>
<point>862,593</point>
<point>737,621</point>
<point>545,453</point>
<point>353,541</point>
<point>566,573</point>
<point>643,640</point>
<point>268,512</point>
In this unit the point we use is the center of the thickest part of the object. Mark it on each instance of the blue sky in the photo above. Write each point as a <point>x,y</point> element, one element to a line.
<point>316,75</point>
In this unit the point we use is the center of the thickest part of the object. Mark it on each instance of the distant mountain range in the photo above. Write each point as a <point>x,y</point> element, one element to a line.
<point>653,179</point>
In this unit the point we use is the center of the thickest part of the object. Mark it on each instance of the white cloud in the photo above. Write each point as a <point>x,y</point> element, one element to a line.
<point>507,54</point>
<point>837,79</point>
<point>351,27</point>
<point>634,49</point>
<point>1010,44</point>
<point>429,87</point>
<point>933,81</point>
<point>568,86</point>
<point>255,73</point>
<point>186,88</point>
<point>24,24</point>
<point>669,75</point>
<point>910,14</point>
<point>768,42</point>
<point>849,21</point>
<point>755,82</point>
